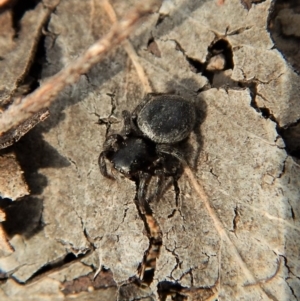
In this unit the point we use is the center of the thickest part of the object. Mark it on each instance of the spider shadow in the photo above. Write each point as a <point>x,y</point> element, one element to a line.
<point>24,216</point>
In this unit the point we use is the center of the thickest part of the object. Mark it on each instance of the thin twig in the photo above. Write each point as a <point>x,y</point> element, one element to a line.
<point>43,96</point>
<point>129,49</point>
<point>219,227</point>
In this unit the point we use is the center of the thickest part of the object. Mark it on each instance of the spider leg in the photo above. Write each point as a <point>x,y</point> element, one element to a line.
<point>161,179</point>
<point>144,179</point>
<point>127,122</point>
<point>172,151</point>
<point>113,142</point>
<point>176,189</point>
<point>111,145</point>
<point>102,165</point>
<point>129,125</point>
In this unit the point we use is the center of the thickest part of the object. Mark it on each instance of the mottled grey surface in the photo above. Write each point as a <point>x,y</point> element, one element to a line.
<point>236,153</point>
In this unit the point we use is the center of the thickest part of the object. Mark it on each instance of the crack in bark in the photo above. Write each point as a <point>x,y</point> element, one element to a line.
<point>90,241</point>
<point>239,31</point>
<point>178,262</point>
<point>282,172</point>
<point>50,267</point>
<point>75,164</point>
<point>123,219</point>
<point>108,121</point>
<point>292,210</point>
<point>264,111</point>
<point>289,134</point>
<point>235,220</point>
<point>215,175</point>
<point>285,261</point>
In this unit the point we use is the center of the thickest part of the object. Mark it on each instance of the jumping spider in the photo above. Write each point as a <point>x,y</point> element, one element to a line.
<point>147,145</point>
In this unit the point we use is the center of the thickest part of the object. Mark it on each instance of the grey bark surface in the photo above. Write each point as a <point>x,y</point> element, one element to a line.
<point>235,152</point>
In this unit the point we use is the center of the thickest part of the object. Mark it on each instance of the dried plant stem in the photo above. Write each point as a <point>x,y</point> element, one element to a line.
<point>219,227</point>
<point>43,96</point>
<point>129,49</point>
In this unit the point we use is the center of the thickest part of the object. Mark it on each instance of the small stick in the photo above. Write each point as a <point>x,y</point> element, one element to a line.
<point>44,95</point>
<point>130,50</point>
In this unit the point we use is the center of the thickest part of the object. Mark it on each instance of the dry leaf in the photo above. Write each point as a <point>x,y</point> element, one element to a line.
<point>12,184</point>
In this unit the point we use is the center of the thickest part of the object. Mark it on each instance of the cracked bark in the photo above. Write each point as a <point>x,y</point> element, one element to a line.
<point>220,57</point>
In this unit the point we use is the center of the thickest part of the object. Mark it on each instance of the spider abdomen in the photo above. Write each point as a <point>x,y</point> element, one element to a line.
<point>167,119</point>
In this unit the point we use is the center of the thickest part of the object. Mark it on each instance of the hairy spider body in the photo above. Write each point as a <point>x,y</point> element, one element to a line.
<point>167,119</point>
<point>131,155</point>
<point>147,145</point>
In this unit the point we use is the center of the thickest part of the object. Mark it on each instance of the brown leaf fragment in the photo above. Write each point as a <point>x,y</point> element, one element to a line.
<point>5,247</point>
<point>192,294</point>
<point>153,48</point>
<point>12,183</point>
<point>217,62</point>
<point>4,3</point>
<point>135,291</point>
<point>248,3</point>
<point>87,283</point>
